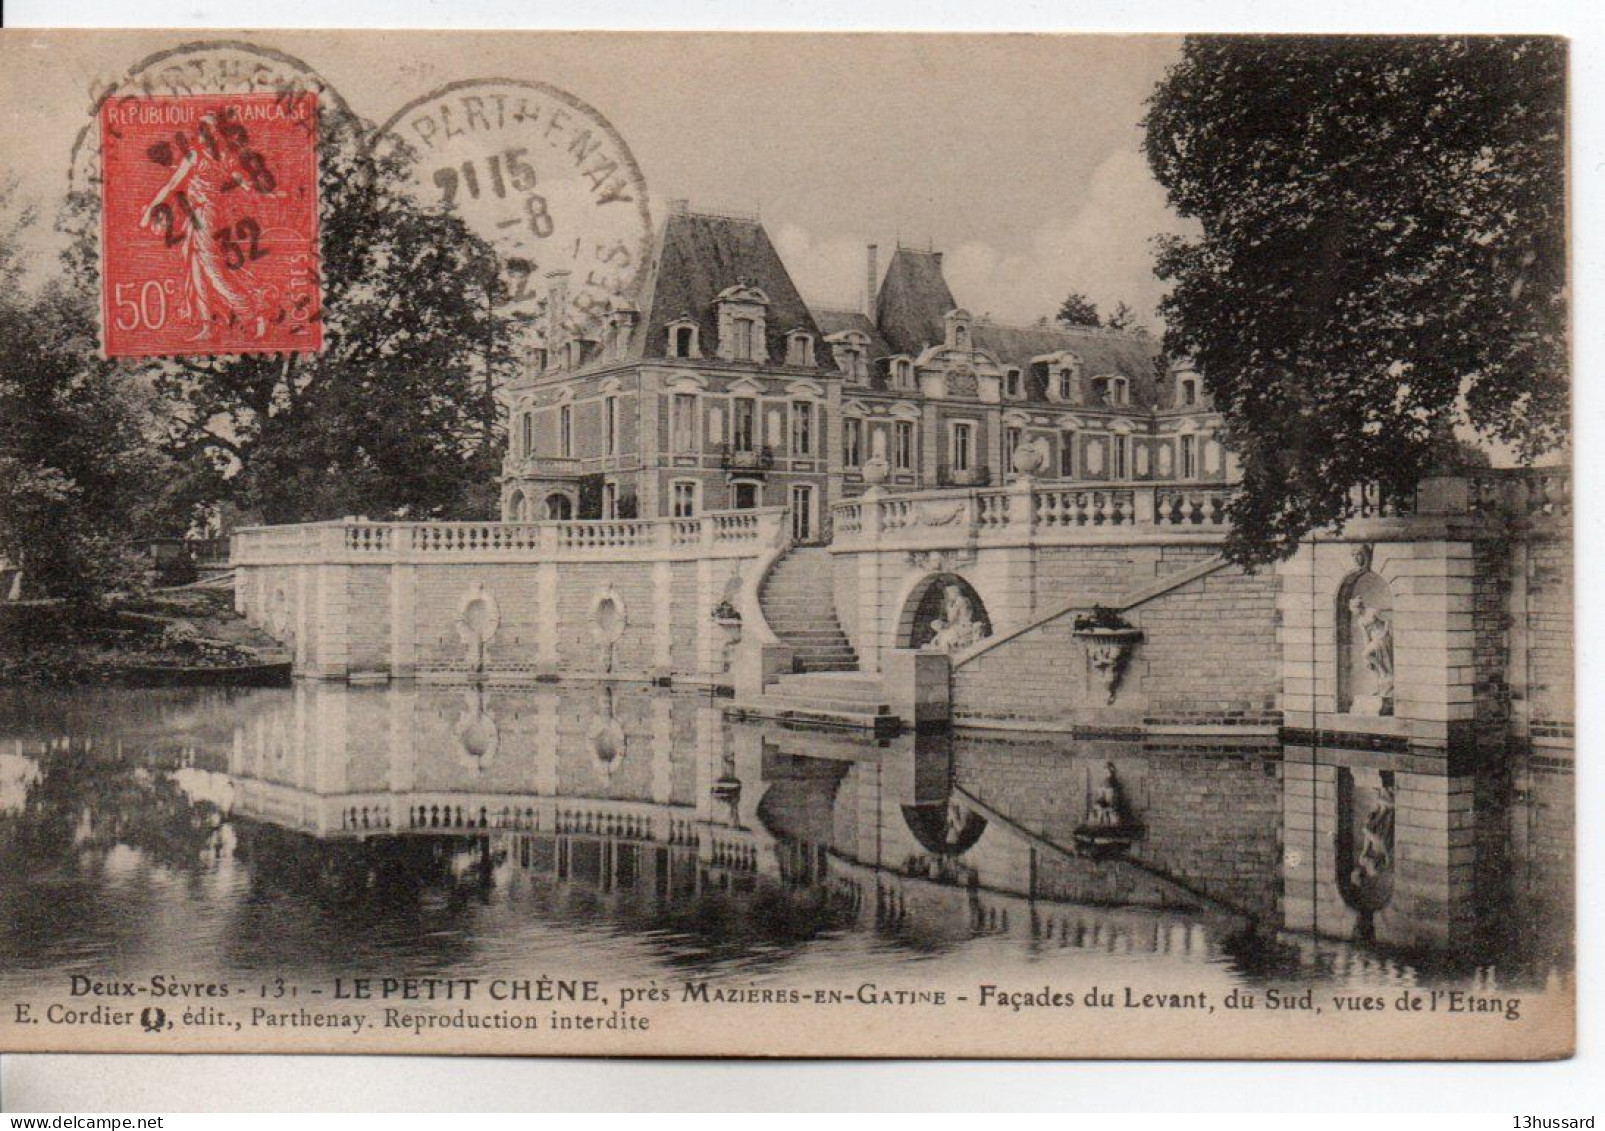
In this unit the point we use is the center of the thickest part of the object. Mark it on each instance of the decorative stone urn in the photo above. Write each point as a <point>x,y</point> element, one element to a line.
<point>876,471</point>
<point>1109,641</point>
<point>1027,459</point>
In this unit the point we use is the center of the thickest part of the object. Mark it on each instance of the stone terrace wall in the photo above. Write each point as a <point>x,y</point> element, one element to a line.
<point>1208,657</point>
<point>1211,814</point>
<point>631,599</point>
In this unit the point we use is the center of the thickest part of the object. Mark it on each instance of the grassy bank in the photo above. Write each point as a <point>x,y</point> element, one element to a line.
<point>175,634</point>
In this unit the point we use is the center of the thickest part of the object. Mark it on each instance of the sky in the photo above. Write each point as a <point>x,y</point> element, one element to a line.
<point>1018,156</point>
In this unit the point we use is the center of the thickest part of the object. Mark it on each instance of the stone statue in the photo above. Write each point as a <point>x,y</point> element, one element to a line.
<point>957,628</point>
<point>1105,810</point>
<point>1374,860</point>
<point>1377,650</point>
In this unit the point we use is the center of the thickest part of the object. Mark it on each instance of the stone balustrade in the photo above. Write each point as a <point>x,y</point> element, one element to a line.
<point>360,542</point>
<point>1035,513</point>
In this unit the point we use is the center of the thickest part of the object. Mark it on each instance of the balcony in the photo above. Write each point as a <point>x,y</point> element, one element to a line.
<point>541,467</point>
<point>755,460</point>
<point>963,477</point>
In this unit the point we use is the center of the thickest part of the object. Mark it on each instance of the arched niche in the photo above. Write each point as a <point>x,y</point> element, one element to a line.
<point>514,511</point>
<point>1365,842</point>
<point>1364,618</point>
<point>943,611</point>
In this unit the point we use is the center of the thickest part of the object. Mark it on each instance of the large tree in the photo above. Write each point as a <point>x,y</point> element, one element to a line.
<point>1078,310</point>
<point>1381,258</point>
<point>81,478</point>
<point>394,417</point>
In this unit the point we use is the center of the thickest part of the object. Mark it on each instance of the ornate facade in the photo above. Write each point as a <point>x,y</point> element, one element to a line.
<point>719,388</point>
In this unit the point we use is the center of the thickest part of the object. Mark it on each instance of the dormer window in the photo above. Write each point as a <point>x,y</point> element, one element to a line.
<point>683,339</point>
<point>1013,385</point>
<point>742,310</point>
<point>620,325</point>
<point>958,329</point>
<point>799,348</point>
<point>850,351</point>
<point>1112,391</point>
<point>902,373</point>
<point>1189,391</point>
<point>742,328</point>
<point>1066,379</point>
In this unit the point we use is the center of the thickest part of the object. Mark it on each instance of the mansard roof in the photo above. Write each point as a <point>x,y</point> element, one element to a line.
<point>698,257</point>
<point>1102,353</point>
<point>845,321</point>
<point>913,299</point>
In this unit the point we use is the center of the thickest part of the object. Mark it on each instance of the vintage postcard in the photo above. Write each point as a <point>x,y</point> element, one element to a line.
<point>785,545</point>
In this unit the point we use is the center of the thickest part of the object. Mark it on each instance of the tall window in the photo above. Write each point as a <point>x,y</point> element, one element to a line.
<point>1189,392</point>
<point>963,446</point>
<point>743,346</point>
<point>903,449</point>
<point>1119,391</point>
<point>852,441</point>
<point>1011,384</point>
<point>684,342</point>
<point>526,425</point>
<point>1067,455</point>
<point>565,431</point>
<point>802,428</point>
<point>685,498</point>
<point>610,500</point>
<point>1120,447</point>
<point>610,424</point>
<point>683,422</point>
<point>903,373</point>
<point>1067,385</point>
<point>800,350</point>
<point>743,424</point>
<point>1189,457</point>
<point>1011,444</point>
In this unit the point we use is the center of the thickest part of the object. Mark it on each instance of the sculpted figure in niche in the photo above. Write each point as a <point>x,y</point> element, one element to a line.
<point>1377,649</point>
<point>1105,810</point>
<point>1374,860</point>
<point>957,628</point>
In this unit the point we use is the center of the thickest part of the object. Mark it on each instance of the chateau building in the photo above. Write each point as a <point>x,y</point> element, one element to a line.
<point>720,388</point>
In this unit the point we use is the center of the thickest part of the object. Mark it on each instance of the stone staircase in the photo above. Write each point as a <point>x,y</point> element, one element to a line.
<point>799,603</point>
<point>825,689</point>
<point>837,699</point>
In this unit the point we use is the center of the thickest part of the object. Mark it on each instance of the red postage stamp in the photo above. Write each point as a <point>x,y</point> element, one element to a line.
<point>209,238</point>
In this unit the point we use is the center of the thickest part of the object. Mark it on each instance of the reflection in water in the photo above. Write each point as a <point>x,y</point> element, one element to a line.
<point>323,829</point>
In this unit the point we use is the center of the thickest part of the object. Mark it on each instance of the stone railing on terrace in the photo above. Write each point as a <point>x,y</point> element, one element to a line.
<point>359,542</point>
<point>1038,513</point>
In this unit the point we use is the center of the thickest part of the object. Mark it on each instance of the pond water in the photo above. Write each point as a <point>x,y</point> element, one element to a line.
<point>634,833</point>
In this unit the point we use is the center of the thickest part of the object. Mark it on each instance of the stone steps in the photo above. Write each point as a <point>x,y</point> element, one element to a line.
<point>799,603</point>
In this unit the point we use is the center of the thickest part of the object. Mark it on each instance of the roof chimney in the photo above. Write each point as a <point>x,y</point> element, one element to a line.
<point>870,277</point>
<point>936,255</point>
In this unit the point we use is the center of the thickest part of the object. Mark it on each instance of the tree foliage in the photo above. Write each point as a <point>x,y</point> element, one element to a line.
<point>81,479</point>
<point>1121,318</point>
<point>1078,310</point>
<point>394,417</point>
<point>1382,255</point>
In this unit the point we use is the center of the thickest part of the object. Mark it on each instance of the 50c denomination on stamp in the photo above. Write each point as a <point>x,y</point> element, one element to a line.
<point>209,214</point>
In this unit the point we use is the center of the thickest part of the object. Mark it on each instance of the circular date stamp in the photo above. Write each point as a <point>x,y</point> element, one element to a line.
<point>539,174</point>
